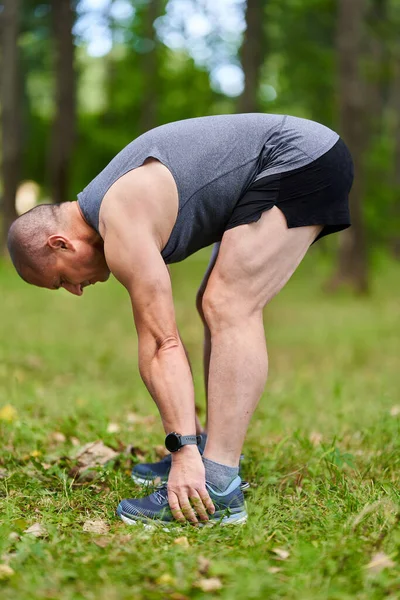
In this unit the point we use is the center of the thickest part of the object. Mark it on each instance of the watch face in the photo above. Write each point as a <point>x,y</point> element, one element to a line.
<point>172,442</point>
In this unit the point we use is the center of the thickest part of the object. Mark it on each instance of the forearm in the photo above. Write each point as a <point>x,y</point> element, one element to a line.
<point>166,373</point>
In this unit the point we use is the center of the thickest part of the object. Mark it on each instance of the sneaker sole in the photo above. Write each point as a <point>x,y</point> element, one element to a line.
<point>244,486</point>
<point>236,519</point>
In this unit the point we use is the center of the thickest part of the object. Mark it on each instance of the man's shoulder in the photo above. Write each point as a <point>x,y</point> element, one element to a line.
<point>144,198</point>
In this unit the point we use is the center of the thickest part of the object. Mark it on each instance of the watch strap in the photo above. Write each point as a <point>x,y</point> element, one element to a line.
<point>187,440</point>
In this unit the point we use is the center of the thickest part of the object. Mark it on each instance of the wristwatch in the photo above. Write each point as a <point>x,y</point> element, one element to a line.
<point>174,441</point>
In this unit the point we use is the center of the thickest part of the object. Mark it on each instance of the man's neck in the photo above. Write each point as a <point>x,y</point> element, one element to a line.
<point>79,225</point>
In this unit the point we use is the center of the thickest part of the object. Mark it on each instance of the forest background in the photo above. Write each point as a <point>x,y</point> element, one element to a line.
<point>81,79</point>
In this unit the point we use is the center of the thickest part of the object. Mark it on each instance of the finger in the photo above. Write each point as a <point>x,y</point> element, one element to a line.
<point>187,510</point>
<point>175,508</point>
<point>198,506</point>
<point>206,500</point>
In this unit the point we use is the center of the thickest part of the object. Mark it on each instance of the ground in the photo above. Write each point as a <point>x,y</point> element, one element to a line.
<point>322,454</point>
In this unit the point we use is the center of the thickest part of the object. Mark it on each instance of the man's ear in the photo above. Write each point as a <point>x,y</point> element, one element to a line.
<point>59,242</point>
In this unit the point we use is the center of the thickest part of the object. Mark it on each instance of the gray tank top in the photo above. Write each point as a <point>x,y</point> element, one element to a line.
<point>213,161</point>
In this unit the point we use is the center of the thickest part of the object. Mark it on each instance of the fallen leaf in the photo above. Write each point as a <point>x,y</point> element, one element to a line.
<point>182,541</point>
<point>165,579</point>
<point>5,572</point>
<point>395,410</point>
<point>74,441</point>
<point>113,428</point>
<point>378,562</point>
<point>274,570</point>
<point>8,413</point>
<point>37,530</point>
<point>134,451</point>
<point>281,554</point>
<point>315,438</point>
<point>14,537</point>
<point>209,585</point>
<point>96,526</point>
<point>3,473</point>
<point>92,455</point>
<point>203,564</point>
<point>133,418</point>
<point>57,437</point>
<point>102,542</point>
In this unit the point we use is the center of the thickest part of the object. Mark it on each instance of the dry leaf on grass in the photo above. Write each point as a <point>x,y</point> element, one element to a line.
<point>37,530</point>
<point>203,564</point>
<point>92,455</point>
<point>315,438</point>
<point>5,572</point>
<point>281,554</point>
<point>209,585</point>
<point>134,451</point>
<point>3,473</point>
<point>102,542</point>
<point>395,410</point>
<point>165,579</point>
<point>182,541</point>
<point>96,526</point>
<point>274,570</point>
<point>56,437</point>
<point>378,562</point>
<point>8,413</point>
<point>113,428</point>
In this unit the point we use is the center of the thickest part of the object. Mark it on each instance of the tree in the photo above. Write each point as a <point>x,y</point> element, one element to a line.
<point>62,136</point>
<point>352,259</point>
<point>252,54</point>
<point>149,68</point>
<point>10,111</point>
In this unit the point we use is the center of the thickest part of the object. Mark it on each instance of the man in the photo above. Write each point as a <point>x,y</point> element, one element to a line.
<point>264,187</point>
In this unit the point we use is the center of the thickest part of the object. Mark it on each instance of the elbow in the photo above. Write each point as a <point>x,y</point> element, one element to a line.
<point>167,343</point>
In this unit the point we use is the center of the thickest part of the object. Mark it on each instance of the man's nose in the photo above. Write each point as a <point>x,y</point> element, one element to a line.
<point>73,289</point>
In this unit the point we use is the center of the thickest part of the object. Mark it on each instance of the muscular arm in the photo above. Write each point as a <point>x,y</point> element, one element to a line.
<point>135,260</point>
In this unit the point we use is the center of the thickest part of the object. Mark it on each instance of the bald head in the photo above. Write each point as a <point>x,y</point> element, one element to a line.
<point>28,235</point>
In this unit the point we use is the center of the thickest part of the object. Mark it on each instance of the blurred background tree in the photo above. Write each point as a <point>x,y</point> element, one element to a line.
<point>81,78</point>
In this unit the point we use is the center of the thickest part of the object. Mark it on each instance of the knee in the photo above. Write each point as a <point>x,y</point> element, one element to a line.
<point>220,310</point>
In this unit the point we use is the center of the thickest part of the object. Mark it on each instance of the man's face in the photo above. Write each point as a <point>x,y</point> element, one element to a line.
<point>72,265</point>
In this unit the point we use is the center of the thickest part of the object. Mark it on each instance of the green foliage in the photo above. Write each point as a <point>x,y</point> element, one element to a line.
<point>299,77</point>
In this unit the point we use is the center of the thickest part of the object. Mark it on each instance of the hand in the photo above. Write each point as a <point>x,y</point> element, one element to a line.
<point>187,493</point>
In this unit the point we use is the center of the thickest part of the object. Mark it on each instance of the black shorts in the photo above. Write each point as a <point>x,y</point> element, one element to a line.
<point>317,194</point>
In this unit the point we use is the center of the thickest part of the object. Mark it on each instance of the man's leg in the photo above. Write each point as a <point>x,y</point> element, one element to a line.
<point>207,333</point>
<point>254,263</point>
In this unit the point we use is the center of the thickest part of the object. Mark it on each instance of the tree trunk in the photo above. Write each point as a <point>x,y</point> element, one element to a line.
<point>149,68</point>
<point>352,260</point>
<point>378,58</point>
<point>62,137</point>
<point>252,54</point>
<point>10,112</point>
<point>395,241</point>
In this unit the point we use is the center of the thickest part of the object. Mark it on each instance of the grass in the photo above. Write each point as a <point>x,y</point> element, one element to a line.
<point>322,453</point>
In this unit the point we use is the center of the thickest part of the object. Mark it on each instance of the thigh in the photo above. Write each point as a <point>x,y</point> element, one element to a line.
<point>213,258</point>
<point>257,259</point>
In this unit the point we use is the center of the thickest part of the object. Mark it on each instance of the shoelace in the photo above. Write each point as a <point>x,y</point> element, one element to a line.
<point>161,493</point>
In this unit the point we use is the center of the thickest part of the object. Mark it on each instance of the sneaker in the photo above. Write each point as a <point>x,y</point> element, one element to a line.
<point>230,507</point>
<point>148,473</point>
